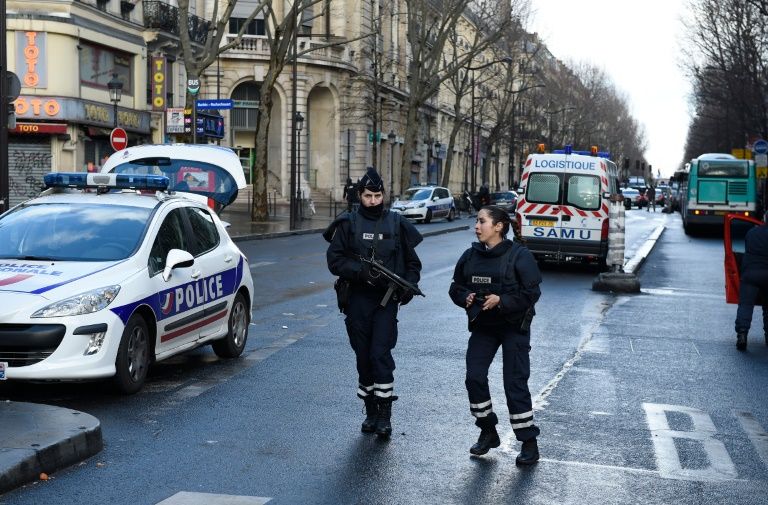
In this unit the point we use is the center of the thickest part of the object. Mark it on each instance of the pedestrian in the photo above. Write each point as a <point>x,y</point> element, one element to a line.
<point>753,282</point>
<point>497,282</point>
<point>484,195</point>
<point>371,319</point>
<point>651,194</point>
<point>350,194</point>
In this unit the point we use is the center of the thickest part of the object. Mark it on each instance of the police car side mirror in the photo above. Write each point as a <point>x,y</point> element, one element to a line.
<point>176,259</point>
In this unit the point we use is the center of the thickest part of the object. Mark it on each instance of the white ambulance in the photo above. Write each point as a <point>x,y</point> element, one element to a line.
<point>563,206</point>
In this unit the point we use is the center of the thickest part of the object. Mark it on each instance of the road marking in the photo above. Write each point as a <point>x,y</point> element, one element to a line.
<point>680,292</point>
<point>641,471</point>
<point>258,264</point>
<point>756,434</point>
<point>187,498</point>
<point>265,352</point>
<point>720,466</point>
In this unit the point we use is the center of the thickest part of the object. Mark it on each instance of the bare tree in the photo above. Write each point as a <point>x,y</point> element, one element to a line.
<point>430,24</point>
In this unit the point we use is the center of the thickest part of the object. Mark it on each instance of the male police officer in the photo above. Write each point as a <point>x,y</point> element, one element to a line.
<point>350,194</point>
<point>753,281</point>
<point>376,234</point>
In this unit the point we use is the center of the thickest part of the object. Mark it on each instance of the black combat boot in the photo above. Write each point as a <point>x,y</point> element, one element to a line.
<point>741,340</point>
<point>529,454</point>
<point>488,439</point>
<point>371,413</point>
<point>383,420</point>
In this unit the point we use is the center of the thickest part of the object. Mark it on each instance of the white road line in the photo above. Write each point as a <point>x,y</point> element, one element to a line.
<point>187,498</point>
<point>680,292</point>
<point>258,264</point>
<point>640,471</point>
<point>756,434</point>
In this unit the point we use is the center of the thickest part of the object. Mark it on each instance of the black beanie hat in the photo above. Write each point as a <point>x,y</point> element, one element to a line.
<point>371,181</point>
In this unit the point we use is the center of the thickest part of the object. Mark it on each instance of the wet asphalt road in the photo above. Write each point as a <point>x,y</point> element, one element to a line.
<point>640,398</point>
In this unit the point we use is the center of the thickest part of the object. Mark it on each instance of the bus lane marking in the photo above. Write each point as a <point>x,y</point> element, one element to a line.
<point>756,434</point>
<point>720,466</point>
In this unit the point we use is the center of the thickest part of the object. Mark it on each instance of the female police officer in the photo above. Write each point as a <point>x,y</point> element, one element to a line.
<point>376,234</point>
<point>497,282</point>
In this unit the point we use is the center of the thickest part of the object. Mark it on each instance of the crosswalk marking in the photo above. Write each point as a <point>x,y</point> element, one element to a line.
<point>187,498</point>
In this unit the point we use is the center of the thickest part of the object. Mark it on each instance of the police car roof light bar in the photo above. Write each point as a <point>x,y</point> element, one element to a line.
<point>81,180</point>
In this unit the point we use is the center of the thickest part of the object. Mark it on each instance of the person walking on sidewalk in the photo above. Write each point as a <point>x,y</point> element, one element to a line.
<point>497,282</point>
<point>371,317</point>
<point>753,282</point>
<point>350,194</point>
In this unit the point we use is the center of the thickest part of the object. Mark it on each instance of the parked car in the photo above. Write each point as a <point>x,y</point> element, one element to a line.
<point>630,197</point>
<point>108,273</point>
<point>424,203</point>
<point>507,200</point>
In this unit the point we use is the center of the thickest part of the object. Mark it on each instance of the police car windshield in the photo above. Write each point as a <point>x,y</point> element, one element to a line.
<point>416,194</point>
<point>72,232</point>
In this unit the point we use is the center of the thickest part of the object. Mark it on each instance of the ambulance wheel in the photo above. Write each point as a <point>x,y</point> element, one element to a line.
<point>451,215</point>
<point>233,343</point>
<point>132,360</point>
<point>428,216</point>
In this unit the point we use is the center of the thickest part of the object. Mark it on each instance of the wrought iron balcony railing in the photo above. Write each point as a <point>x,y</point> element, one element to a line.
<point>160,15</point>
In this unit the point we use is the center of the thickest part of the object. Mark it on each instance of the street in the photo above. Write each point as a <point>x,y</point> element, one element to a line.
<point>640,398</point>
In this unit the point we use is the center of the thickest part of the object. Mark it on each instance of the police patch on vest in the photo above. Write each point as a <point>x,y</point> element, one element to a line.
<point>369,236</point>
<point>480,280</point>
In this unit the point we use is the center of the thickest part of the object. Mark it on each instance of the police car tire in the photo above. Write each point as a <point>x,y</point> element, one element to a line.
<point>132,359</point>
<point>233,343</point>
<point>428,216</point>
<point>450,215</point>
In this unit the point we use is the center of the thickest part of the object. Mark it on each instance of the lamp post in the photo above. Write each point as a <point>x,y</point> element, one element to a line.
<point>297,125</point>
<point>391,137</point>
<point>115,87</point>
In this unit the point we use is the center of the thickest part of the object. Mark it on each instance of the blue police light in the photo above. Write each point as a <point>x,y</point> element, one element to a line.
<point>81,180</point>
<point>568,149</point>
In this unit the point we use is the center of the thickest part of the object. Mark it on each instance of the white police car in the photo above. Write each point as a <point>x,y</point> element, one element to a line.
<point>424,203</point>
<point>102,274</point>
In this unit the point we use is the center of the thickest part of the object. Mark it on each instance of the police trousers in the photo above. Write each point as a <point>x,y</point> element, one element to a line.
<point>372,331</point>
<point>515,346</point>
<point>752,284</point>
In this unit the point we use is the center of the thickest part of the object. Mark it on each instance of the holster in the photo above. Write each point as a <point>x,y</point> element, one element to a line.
<point>525,324</point>
<point>343,290</point>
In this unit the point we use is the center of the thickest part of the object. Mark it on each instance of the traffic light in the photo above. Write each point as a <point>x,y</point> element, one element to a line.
<point>12,89</point>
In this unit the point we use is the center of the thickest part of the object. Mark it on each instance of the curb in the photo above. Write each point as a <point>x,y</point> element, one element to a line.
<point>288,233</point>
<point>634,263</point>
<point>53,438</point>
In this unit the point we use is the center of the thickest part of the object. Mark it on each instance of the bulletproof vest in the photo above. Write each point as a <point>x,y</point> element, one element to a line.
<point>488,275</point>
<point>378,239</point>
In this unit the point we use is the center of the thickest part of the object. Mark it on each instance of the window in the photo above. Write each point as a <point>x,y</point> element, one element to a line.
<point>254,27</point>
<point>170,236</point>
<point>543,188</point>
<point>98,63</point>
<point>714,169</point>
<point>204,230</point>
<point>584,191</point>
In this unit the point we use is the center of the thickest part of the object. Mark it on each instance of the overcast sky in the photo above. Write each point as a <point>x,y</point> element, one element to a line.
<point>637,44</point>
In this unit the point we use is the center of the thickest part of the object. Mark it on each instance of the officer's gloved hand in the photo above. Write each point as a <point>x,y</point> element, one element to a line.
<point>367,275</point>
<point>406,297</point>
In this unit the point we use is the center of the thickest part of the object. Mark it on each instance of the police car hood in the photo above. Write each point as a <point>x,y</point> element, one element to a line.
<point>52,280</point>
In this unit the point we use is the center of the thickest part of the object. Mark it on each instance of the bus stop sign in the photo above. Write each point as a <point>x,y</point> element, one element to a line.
<point>760,146</point>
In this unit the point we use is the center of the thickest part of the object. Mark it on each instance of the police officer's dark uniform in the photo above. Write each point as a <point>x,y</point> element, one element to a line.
<point>510,271</point>
<point>375,233</point>
<point>753,281</point>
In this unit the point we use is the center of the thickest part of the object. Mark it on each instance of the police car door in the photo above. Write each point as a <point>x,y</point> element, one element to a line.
<point>175,315</point>
<point>217,275</point>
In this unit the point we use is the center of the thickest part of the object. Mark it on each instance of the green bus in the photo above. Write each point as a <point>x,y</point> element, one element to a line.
<point>716,185</point>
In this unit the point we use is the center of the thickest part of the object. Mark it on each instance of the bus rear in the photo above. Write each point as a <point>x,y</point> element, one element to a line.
<point>718,184</point>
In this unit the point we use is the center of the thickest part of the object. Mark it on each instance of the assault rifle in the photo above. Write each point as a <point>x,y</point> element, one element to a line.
<point>394,281</point>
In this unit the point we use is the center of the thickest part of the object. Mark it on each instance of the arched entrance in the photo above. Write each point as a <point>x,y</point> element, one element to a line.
<point>322,134</point>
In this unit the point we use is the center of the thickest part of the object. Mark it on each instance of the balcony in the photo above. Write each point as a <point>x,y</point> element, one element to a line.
<point>165,17</point>
<point>257,46</point>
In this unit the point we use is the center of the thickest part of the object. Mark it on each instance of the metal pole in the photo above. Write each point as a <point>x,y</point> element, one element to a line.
<point>472,147</point>
<point>292,215</point>
<point>194,121</point>
<point>391,169</point>
<point>114,107</point>
<point>4,186</point>
<point>349,147</point>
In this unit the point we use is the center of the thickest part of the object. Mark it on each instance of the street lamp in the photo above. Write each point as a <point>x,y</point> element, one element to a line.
<point>391,137</point>
<point>298,124</point>
<point>115,87</point>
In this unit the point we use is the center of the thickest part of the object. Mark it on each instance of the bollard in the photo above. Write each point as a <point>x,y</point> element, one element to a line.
<point>615,259</point>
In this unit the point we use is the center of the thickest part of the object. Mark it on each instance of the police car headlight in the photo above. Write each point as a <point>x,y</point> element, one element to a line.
<point>84,303</point>
<point>422,204</point>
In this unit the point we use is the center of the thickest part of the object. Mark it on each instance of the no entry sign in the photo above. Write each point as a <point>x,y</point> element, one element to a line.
<point>119,139</point>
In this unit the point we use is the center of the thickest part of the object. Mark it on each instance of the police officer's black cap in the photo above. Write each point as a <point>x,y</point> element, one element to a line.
<point>371,181</point>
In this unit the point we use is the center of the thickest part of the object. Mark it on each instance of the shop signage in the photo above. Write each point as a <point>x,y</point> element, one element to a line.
<point>39,128</point>
<point>76,110</point>
<point>174,120</point>
<point>31,59</point>
<point>158,83</point>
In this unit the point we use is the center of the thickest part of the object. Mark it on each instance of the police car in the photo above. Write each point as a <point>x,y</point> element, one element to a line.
<point>423,203</point>
<point>103,274</point>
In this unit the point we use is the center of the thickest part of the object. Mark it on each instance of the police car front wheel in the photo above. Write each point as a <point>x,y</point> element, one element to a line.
<point>232,345</point>
<point>133,356</point>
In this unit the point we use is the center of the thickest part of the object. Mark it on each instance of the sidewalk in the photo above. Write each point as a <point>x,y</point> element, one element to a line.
<point>278,223</point>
